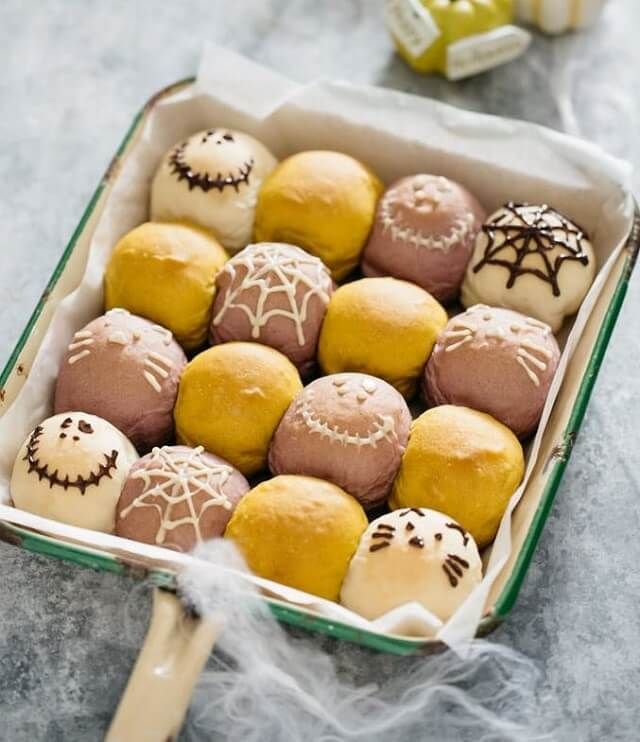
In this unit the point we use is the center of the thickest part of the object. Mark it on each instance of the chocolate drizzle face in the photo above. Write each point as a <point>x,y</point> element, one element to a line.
<point>384,532</point>
<point>205,181</point>
<point>417,511</point>
<point>539,231</point>
<point>80,482</point>
<point>463,533</point>
<point>453,567</point>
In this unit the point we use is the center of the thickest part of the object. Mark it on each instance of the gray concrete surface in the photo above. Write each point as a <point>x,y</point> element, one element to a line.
<point>73,74</point>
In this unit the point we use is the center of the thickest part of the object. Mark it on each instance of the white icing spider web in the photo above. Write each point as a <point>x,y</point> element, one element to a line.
<point>263,263</point>
<point>176,478</point>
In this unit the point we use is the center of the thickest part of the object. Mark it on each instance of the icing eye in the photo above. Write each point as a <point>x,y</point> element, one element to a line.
<point>84,427</point>
<point>227,137</point>
<point>62,435</point>
<point>66,422</point>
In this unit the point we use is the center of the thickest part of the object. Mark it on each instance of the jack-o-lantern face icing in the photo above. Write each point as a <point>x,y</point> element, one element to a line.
<point>414,554</point>
<point>532,259</point>
<point>350,429</point>
<point>178,497</point>
<point>276,294</point>
<point>424,232</point>
<point>125,369</point>
<point>496,361</point>
<point>212,179</point>
<point>71,468</point>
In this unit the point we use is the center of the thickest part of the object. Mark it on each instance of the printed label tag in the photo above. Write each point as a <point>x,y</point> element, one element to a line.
<point>483,51</point>
<point>411,24</point>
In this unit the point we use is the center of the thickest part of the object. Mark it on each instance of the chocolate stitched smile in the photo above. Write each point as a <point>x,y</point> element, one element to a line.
<point>80,482</point>
<point>204,181</point>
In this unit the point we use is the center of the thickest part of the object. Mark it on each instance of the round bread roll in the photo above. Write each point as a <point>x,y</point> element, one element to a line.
<point>178,497</point>
<point>411,555</point>
<point>463,463</point>
<point>71,469</point>
<point>496,361</point>
<point>274,294</point>
<point>212,179</point>
<point>350,429</point>
<point>322,201</point>
<point>126,370</point>
<point>425,232</point>
<point>166,273</point>
<point>531,259</point>
<point>298,531</point>
<point>231,399</point>
<point>383,327</point>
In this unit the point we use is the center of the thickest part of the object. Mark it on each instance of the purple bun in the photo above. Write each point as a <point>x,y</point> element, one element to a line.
<point>126,370</point>
<point>275,294</point>
<point>424,231</point>
<point>350,429</point>
<point>178,497</point>
<point>495,361</point>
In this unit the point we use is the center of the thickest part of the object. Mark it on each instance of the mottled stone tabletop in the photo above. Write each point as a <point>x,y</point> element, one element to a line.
<point>73,76</point>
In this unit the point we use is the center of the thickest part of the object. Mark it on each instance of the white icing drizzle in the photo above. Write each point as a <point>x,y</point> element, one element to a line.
<point>118,338</point>
<point>118,310</point>
<point>155,363</point>
<point>167,336</point>
<point>82,334</point>
<point>78,356</point>
<point>273,269</point>
<point>383,427</point>
<point>175,478</point>
<point>460,229</point>
<point>529,354</point>
<point>81,343</point>
<point>152,380</point>
<point>530,373</point>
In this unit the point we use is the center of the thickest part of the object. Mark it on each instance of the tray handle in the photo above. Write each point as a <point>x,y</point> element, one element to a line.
<point>157,695</point>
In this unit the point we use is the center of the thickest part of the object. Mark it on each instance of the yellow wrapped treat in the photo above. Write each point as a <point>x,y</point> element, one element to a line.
<point>166,273</point>
<point>453,37</point>
<point>383,327</point>
<point>231,399</point>
<point>299,531</point>
<point>323,202</point>
<point>462,463</point>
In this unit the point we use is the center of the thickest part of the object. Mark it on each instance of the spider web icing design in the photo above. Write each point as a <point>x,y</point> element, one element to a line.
<point>273,269</point>
<point>383,427</point>
<point>176,478</point>
<point>461,228</point>
<point>529,354</point>
<point>532,230</point>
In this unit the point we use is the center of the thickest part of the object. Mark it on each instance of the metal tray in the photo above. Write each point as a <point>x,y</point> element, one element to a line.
<point>528,522</point>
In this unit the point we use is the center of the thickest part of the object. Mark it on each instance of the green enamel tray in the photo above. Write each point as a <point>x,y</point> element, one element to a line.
<point>567,422</point>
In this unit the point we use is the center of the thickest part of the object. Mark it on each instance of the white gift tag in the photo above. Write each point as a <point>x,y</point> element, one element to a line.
<point>411,24</point>
<point>483,51</point>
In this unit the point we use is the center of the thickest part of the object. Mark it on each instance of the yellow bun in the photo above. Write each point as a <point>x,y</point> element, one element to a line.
<point>323,202</point>
<point>231,399</point>
<point>299,531</point>
<point>383,327</point>
<point>166,273</point>
<point>462,463</point>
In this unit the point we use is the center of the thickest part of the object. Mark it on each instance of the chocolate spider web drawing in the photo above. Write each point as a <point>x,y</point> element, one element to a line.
<point>535,235</point>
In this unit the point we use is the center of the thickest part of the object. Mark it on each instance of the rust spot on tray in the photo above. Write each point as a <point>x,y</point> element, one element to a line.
<point>20,370</point>
<point>3,394</point>
<point>633,244</point>
<point>561,451</point>
<point>9,536</point>
<point>111,170</point>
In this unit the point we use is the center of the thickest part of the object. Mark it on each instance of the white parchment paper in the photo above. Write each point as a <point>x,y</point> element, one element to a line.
<point>395,134</point>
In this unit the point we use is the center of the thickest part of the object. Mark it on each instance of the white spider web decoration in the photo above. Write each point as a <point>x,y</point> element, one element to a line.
<point>274,269</point>
<point>176,478</point>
